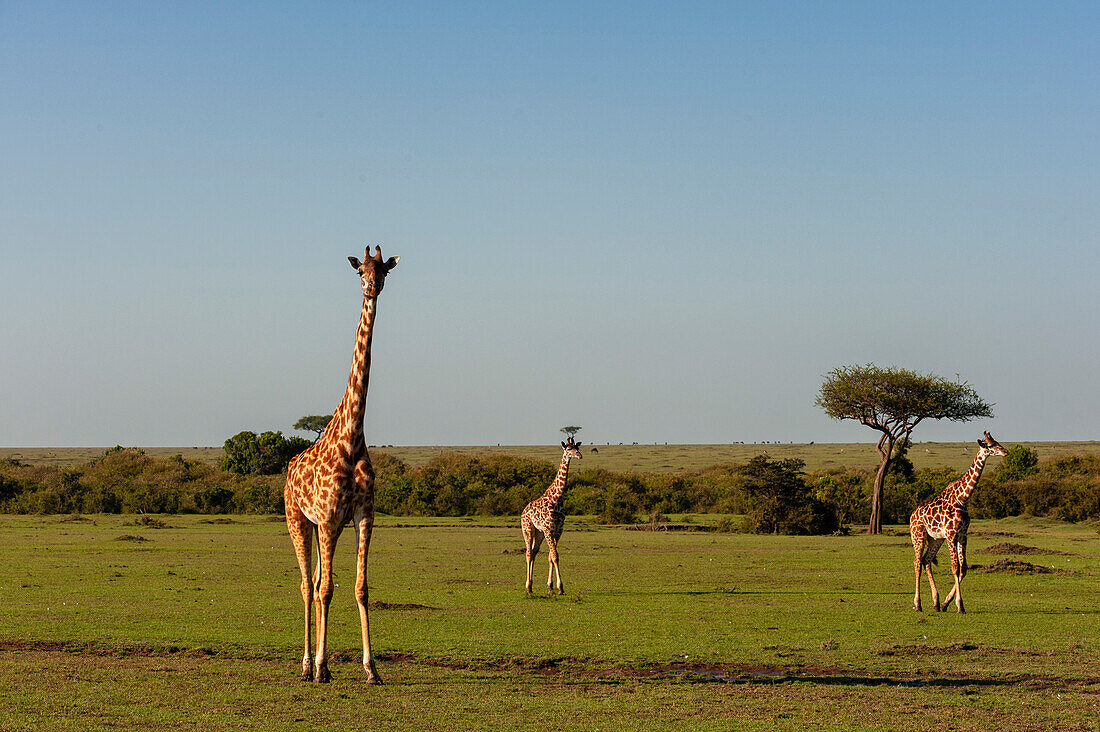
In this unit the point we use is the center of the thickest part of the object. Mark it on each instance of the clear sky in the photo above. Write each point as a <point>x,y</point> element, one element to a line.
<point>664,222</point>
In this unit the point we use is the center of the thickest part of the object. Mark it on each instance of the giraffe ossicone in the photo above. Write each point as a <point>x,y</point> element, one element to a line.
<point>944,519</point>
<point>332,482</point>
<point>544,518</point>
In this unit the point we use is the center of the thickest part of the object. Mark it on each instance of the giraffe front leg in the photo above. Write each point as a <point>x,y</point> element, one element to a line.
<point>325,549</point>
<point>364,526</point>
<point>917,538</point>
<point>301,534</point>
<point>531,541</point>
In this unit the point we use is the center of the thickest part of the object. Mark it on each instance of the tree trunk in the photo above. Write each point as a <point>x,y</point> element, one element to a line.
<point>886,450</point>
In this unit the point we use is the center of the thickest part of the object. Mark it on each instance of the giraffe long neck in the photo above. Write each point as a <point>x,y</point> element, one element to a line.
<point>962,488</point>
<point>557,488</point>
<point>348,417</point>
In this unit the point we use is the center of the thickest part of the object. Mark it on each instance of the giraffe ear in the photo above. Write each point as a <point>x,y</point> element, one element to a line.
<point>563,445</point>
<point>392,262</point>
<point>982,444</point>
<point>355,263</point>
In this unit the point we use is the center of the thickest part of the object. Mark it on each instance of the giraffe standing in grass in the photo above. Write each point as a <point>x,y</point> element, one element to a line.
<point>544,517</point>
<point>332,482</point>
<point>944,518</point>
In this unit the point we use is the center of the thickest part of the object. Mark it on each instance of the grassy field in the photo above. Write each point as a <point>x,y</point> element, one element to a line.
<point>639,458</point>
<point>108,624</point>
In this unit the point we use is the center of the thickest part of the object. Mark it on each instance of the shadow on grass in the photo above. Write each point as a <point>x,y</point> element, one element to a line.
<point>564,669</point>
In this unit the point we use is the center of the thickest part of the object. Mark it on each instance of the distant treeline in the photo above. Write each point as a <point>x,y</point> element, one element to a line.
<point>775,495</point>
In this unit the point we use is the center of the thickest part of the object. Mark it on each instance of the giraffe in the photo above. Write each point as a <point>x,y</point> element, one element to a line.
<point>944,518</point>
<point>545,517</point>
<point>332,482</point>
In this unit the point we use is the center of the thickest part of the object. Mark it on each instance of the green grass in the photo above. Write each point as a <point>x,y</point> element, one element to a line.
<point>637,458</point>
<point>199,624</point>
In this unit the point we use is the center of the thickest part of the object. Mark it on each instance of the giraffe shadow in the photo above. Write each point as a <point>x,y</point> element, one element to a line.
<point>733,591</point>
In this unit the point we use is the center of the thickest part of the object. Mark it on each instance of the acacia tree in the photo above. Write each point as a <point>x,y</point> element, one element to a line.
<point>894,401</point>
<point>571,430</point>
<point>313,423</point>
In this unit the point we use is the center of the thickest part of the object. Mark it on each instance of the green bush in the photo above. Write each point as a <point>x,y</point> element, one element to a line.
<point>1020,462</point>
<point>775,495</point>
<point>780,502</point>
<point>247,453</point>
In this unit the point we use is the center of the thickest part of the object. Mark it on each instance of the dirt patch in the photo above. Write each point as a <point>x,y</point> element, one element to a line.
<point>218,521</point>
<point>130,537</point>
<point>1006,534</point>
<point>513,552</point>
<point>923,650</point>
<point>1018,566</point>
<point>383,605</point>
<point>1007,547</point>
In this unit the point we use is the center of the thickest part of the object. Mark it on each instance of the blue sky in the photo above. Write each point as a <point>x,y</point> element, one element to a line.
<point>665,222</point>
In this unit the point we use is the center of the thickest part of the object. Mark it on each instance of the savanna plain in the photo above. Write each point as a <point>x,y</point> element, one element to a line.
<point>195,621</point>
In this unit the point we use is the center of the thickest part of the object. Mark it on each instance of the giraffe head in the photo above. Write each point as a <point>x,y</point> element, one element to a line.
<point>572,449</point>
<point>373,271</point>
<point>989,446</point>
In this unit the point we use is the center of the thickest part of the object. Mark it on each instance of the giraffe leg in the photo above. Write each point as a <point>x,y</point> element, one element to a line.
<point>557,564</point>
<point>552,550</point>
<point>364,525</point>
<point>532,539</point>
<point>916,534</point>
<point>301,534</point>
<point>326,547</point>
<point>957,571</point>
<point>931,548</point>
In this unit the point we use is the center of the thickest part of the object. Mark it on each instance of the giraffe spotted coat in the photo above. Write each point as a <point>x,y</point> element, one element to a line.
<point>944,519</point>
<point>331,483</point>
<point>544,518</point>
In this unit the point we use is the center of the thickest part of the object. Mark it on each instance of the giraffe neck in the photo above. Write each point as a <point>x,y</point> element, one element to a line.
<point>348,417</point>
<point>959,491</point>
<point>557,488</point>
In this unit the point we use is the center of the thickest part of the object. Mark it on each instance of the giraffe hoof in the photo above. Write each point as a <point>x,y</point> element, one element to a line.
<point>307,675</point>
<point>375,680</point>
<point>323,677</point>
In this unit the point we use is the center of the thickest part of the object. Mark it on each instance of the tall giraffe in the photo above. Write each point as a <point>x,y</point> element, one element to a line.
<point>545,517</point>
<point>944,518</point>
<point>333,481</point>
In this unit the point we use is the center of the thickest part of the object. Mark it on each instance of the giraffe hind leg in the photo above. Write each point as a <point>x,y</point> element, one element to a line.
<point>928,558</point>
<point>552,550</point>
<point>958,571</point>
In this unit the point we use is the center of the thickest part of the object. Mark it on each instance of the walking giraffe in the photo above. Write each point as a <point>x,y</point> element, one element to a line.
<point>944,518</point>
<point>332,482</point>
<point>544,517</point>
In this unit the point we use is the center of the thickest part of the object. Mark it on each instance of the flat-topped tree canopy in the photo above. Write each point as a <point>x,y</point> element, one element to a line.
<point>894,401</point>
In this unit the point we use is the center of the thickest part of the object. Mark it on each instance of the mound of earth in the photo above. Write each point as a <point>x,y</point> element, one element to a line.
<point>1007,547</point>
<point>1018,566</point>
